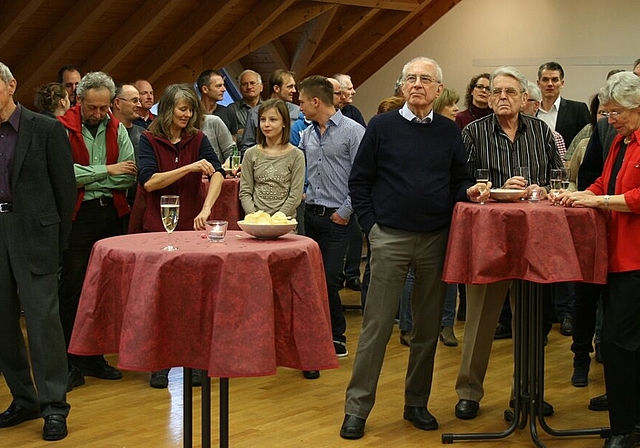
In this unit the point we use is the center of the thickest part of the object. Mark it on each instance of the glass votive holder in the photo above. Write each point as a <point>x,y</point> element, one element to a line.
<point>534,196</point>
<point>216,230</point>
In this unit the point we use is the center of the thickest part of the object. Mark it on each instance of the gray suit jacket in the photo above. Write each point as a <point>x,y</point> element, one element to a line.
<point>43,188</point>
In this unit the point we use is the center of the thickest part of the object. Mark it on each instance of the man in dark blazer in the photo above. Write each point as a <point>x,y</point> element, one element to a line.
<point>37,195</point>
<point>563,116</point>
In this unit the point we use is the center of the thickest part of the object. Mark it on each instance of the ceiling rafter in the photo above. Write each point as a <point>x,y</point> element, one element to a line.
<point>337,36</point>
<point>291,19</point>
<point>310,40</point>
<point>397,5</point>
<point>279,54</point>
<point>127,36</point>
<point>57,41</point>
<point>14,17</point>
<point>411,29</point>
<point>191,31</point>
<point>237,42</point>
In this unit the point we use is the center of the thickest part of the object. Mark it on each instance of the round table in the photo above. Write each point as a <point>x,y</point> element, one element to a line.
<point>235,309</point>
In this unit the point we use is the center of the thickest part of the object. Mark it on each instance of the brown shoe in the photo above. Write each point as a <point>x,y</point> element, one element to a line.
<point>448,337</point>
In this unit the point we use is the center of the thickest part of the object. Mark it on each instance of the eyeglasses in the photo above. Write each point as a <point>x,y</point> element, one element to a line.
<point>611,114</point>
<point>481,87</point>
<point>424,79</point>
<point>132,100</point>
<point>250,84</point>
<point>509,91</point>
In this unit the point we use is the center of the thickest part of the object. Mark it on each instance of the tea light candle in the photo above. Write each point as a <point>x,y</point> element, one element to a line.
<point>216,232</point>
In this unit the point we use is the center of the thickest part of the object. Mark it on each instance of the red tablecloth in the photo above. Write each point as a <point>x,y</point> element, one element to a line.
<point>238,308</point>
<point>227,205</point>
<point>540,242</point>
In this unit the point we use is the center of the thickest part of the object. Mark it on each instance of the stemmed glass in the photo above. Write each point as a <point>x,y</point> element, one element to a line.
<point>556,182</point>
<point>170,212</point>
<point>482,177</point>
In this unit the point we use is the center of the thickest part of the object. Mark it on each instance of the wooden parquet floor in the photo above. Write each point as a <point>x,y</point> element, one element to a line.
<point>285,410</point>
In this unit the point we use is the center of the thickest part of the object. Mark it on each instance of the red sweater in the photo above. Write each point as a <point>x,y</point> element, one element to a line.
<point>624,227</point>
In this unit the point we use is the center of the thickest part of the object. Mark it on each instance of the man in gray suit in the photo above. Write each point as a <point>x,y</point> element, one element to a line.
<point>37,195</point>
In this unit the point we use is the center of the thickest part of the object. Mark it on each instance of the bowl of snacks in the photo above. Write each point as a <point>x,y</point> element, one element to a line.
<point>263,226</point>
<point>506,194</point>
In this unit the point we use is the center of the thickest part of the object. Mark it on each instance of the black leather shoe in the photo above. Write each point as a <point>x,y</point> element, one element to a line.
<point>75,377</point>
<point>580,377</point>
<point>467,409</point>
<point>420,417</point>
<point>352,427</point>
<point>354,284</point>
<point>16,414</point>
<point>196,377</point>
<point>311,374</point>
<point>502,332</point>
<point>99,368</point>
<point>621,441</point>
<point>159,379</point>
<point>55,427</point>
<point>566,327</point>
<point>547,409</point>
<point>600,403</point>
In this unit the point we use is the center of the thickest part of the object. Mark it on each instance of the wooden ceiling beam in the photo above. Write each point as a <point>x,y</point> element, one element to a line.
<point>405,32</point>
<point>337,36</point>
<point>129,34</point>
<point>14,16</point>
<point>59,39</point>
<point>278,54</point>
<point>395,5</point>
<point>239,41</point>
<point>310,40</point>
<point>169,51</point>
<point>291,19</point>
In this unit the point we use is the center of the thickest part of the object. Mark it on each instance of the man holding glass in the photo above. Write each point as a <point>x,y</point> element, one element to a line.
<point>519,152</point>
<point>407,220</point>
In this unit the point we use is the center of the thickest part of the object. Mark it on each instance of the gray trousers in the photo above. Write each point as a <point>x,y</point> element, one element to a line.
<point>392,252</point>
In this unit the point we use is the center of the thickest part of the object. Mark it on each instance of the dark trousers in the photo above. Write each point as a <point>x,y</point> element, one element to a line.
<point>354,251</point>
<point>621,350</point>
<point>584,321</point>
<point>93,222</point>
<point>332,239</point>
<point>45,364</point>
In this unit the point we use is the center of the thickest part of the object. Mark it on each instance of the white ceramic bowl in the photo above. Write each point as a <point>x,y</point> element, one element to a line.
<point>506,194</point>
<point>266,231</point>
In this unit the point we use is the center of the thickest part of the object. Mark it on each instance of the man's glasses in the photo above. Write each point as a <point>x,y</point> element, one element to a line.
<point>249,84</point>
<point>132,100</point>
<point>509,91</point>
<point>481,87</point>
<point>424,79</point>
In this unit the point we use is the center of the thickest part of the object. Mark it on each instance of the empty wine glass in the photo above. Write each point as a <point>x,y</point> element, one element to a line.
<point>482,177</point>
<point>566,177</point>
<point>170,212</point>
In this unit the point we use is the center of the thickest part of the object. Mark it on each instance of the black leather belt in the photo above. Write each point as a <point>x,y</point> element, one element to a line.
<point>319,210</point>
<point>6,207</point>
<point>101,201</point>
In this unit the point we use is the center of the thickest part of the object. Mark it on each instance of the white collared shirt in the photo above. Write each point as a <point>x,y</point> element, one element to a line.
<point>410,116</point>
<point>551,116</point>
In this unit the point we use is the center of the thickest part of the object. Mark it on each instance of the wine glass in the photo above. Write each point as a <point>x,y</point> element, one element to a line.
<point>482,177</point>
<point>566,177</point>
<point>556,182</point>
<point>170,211</point>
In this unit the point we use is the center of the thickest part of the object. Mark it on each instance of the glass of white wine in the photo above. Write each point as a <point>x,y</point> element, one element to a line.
<point>170,212</point>
<point>556,182</point>
<point>482,177</point>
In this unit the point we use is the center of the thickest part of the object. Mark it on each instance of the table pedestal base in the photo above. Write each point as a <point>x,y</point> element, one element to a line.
<point>528,373</point>
<point>187,423</point>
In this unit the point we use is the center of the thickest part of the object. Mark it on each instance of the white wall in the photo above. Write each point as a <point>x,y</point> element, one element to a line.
<point>587,37</point>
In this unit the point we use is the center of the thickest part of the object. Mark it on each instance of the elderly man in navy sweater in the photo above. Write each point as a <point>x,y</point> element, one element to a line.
<point>409,171</point>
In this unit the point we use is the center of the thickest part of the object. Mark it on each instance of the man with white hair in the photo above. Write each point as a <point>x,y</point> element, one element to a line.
<point>104,166</point>
<point>37,193</point>
<point>501,142</point>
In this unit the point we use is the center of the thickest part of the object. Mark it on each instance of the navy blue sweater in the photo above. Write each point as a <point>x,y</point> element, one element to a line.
<point>409,175</point>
